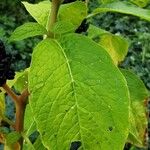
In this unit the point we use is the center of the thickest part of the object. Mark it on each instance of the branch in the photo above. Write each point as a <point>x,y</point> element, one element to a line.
<point>20,103</point>
<point>53,16</point>
<point>9,91</point>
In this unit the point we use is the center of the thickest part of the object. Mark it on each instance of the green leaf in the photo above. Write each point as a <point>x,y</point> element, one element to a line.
<point>38,144</point>
<point>140,3</point>
<point>138,119</point>
<point>125,8</point>
<point>115,45</point>
<point>27,30</point>
<point>39,12</point>
<point>27,145</point>
<point>12,137</point>
<point>29,123</point>
<point>22,80</point>
<point>107,1</point>
<point>74,97</point>
<point>61,27</point>
<point>94,32</point>
<point>73,12</point>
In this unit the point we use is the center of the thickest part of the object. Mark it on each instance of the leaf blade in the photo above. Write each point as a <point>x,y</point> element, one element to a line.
<point>72,100</point>
<point>27,30</point>
<point>125,8</point>
<point>138,117</point>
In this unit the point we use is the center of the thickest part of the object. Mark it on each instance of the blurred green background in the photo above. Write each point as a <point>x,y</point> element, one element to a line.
<point>13,14</point>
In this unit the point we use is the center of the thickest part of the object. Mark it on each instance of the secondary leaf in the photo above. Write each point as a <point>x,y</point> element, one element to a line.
<point>138,118</point>
<point>74,97</point>
<point>73,12</point>
<point>67,12</point>
<point>27,30</point>
<point>61,27</point>
<point>115,45</point>
<point>12,137</point>
<point>125,8</point>
<point>22,80</point>
<point>94,32</point>
<point>39,12</point>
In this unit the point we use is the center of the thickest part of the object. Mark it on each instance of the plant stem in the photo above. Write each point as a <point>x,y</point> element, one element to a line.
<point>20,103</point>
<point>8,90</point>
<point>53,16</point>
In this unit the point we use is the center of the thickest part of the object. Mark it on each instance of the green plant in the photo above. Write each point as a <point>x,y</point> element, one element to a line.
<point>78,95</point>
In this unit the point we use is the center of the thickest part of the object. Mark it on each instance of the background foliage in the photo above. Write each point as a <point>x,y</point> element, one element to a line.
<point>13,14</point>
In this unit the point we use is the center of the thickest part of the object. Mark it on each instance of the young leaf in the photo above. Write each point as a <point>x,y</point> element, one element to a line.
<point>40,11</point>
<point>67,12</point>
<point>138,118</point>
<point>20,81</point>
<point>73,12</point>
<point>12,138</point>
<point>115,45</point>
<point>125,8</point>
<point>75,98</point>
<point>61,27</point>
<point>27,30</point>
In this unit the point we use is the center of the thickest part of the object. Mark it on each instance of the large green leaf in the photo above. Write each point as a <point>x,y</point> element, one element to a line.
<point>138,119</point>
<point>27,30</point>
<point>78,95</point>
<point>115,45</point>
<point>125,8</point>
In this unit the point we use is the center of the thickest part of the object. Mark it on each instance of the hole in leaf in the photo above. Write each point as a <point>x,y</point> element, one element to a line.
<point>110,128</point>
<point>55,135</point>
<point>75,145</point>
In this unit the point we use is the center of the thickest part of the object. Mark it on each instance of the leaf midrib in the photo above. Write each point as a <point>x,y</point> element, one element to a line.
<point>73,88</point>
